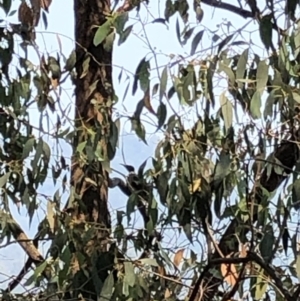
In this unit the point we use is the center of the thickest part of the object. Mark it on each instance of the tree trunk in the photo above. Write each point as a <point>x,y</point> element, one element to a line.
<point>89,178</point>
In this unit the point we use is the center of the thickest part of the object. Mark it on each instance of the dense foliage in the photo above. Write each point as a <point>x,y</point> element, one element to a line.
<point>223,178</point>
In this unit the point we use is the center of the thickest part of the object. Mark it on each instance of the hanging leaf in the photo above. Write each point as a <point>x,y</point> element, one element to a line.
<point>262,76</point>
<point>241,67</point>
<point>227,109</point>
<point>296,194</point>
<point>155,89</point>
<point>178,257</point>
<point>187,35</point>
<point>163,83</point>
<point>224,42</point>
<point>161,115</point>
<point>102,32</point>
<point>119,21</point>
<point>147,102</point>
<point>261,285</point>
<point>285,240</point>
<point>141,76</point>
<point>229,273</point>
<point>51,215</point>
<point>125,34</point>
<point>107,288</point>
<point>267,242</point>
<point>199,13</point>
<point>196,41</point>
<point>178,31</point>
<point>255,105</point>
<point>265,30</point>
<point>269,104</point>
<point>298,266</point>
<point>130,277</point>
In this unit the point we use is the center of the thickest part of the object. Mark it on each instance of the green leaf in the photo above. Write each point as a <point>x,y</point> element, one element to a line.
<point>269,104</point>
<point>130,277</point>
<point>163,83</point>
<point>46,150</point>
<point>107,288</point>
<point>70,63</point>
<point>131,203</point>
<point>265,30</point>
<point>4,179</point>
<point>178,31</point>
<point>109,41</point>
<point>161,115</point>
<point>261,285</point>
<point>298,266</point>
<point>224,42</point>
<point>155,89</point>
<point>241,67</point>
<point>229,73</point>
<point>142,75</point>
<point>187,35</point>
<point>297,40</point>
<point>267,242</point>
<point>120,21</point>
<point>262,76</point>
<point>196,41</point>
<point>125,34</point>
<point>296,194</point>
<point>102,32</point>
<point>28,147</point>
<point>222,168</point>
<point>149,261</point>
<point>6,4</point>
<point>38,271</point>
<point>255,105</point>
<point>226,108</point>
<point>81,147</point>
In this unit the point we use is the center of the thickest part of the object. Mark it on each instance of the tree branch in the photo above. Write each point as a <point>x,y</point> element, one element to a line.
<point>236,260</point>
<point>229,7</point>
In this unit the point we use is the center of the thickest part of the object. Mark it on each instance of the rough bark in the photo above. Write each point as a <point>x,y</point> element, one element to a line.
<point>89,178</point>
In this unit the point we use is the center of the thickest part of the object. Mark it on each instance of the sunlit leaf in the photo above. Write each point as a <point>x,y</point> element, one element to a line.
<point>178,257</point>
<point>241,67</point>
<point>262,76</point>
<point>102,32</point>
<point>255,105</point>
<point>227,111</point>
<point>163,83</point>
<point>129,274</point>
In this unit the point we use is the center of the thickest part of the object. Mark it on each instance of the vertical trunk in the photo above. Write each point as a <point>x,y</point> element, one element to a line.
<point>89,179</point>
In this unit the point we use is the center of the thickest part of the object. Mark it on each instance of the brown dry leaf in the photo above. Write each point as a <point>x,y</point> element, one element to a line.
<point>45,4</point>
<point>168,293</point>
<point>243,251</point>
<point>25,14</point>
<point>196,185</point>
<point>229,273</point>
<point>178,257</point>
<point>36,10</point>
<point>75,267</point>
<point>54,83</point>
<point>51,215</point>
<point>147,102</point>
<point>161,271</point>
